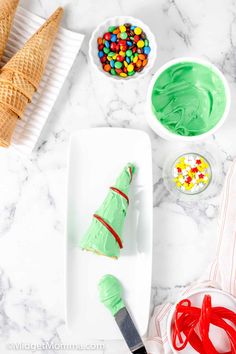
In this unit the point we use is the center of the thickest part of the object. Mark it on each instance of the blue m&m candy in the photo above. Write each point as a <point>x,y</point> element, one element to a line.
<point>146,50</point>
<point>113,38</point>
<point>112,63</point>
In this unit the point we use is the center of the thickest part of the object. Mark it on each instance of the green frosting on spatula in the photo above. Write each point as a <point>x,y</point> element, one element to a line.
<point>112,212</point>
<point>110,293</point>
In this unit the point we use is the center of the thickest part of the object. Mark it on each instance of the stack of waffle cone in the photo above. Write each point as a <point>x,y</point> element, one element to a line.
<point>21,76</point>
<point>7,12</point>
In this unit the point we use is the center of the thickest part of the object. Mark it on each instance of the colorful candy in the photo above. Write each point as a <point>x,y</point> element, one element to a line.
<point>191,173</point>
<point>123,50</point>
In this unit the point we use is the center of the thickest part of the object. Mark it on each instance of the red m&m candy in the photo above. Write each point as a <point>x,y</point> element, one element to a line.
<point>107,36</point>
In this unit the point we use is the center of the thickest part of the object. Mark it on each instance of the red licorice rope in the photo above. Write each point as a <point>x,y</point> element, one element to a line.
<point>109,228</point>
<point>114,189</point>
<point>192,326</point>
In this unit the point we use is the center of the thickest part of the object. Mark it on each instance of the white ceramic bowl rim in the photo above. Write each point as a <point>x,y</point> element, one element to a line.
<point>164,132</point>
<point>190,294</point>
<point>122,19</point>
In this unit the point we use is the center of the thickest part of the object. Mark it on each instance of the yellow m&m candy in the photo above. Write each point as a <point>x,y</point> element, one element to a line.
<point>138,31</point>
<point>130,68</point>
<point>140,44</point>
<point>122,28</point>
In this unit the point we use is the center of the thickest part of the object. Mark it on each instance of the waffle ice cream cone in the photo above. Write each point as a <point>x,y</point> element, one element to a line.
<point>8,120</point>
<point>18,82</point>
<point>13,99</point>
<point>7,12</point>
<point>31,60</point>
<point>21,76</point>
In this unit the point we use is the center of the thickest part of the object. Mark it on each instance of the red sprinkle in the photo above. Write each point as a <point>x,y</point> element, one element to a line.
<point>194,169</point>
<point>188,179</point>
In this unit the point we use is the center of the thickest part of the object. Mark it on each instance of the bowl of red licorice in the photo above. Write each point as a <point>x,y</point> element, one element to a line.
<point>204,322</point>
<point>122,48</point>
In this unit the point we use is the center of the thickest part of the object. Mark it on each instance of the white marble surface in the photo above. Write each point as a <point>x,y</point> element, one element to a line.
<point>32,206</point>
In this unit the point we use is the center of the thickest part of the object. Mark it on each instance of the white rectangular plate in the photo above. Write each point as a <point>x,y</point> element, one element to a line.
<point>96,158</point>
<point>65,49</point>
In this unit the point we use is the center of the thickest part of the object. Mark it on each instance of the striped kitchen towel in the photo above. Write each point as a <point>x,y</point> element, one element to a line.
<point>221,274</point>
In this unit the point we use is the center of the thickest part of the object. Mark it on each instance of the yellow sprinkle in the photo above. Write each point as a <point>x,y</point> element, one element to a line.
<point>125,64</point>
<point>123,74</point>
<point>181,165</point>
<point>122,53</point>
<point>135,59</point>
<point>201,168</point>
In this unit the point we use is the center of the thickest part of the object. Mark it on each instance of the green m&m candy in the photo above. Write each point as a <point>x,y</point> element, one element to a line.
<point>111,28</point>
<point>118,65</point>
<point>113,72</point>
<point>129,52</point>
<point>123,35</point>
<point>131,73</point>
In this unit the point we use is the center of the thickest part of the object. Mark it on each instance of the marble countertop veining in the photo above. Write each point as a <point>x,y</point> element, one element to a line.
<point>32,207</point>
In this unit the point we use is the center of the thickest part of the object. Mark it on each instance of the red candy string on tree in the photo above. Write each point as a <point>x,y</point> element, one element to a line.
<point>192,326</point>
<point>109,228</point>
<point>120,193</point>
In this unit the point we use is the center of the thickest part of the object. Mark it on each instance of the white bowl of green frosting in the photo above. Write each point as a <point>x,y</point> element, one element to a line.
<point>188,100</point>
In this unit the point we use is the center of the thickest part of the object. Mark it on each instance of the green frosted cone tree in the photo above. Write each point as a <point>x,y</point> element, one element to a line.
<point>104,235</point>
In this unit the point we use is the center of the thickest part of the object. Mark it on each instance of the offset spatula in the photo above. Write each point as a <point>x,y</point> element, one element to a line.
<point>110,294</point>
<point>129,332</point>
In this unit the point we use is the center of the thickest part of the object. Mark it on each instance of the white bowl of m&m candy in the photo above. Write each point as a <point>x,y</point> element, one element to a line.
<point>122,48</point>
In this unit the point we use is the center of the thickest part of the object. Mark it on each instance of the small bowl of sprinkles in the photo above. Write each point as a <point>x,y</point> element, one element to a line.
<point>122,48</point>
<point>191,173</point>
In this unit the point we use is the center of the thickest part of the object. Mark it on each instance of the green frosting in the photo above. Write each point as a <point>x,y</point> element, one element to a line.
<point>110,293</point>
<point>113,210</point>
<point>188,98</point>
